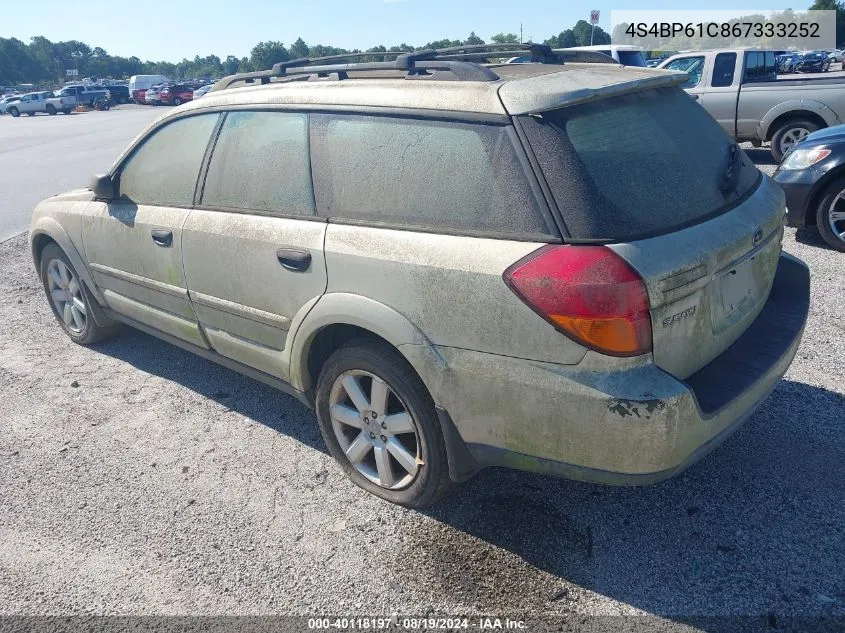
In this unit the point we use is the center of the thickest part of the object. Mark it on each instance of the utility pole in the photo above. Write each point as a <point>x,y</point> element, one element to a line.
<point>520,33</point>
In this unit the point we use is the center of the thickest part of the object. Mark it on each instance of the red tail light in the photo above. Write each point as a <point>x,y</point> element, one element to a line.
<point>588,293</point>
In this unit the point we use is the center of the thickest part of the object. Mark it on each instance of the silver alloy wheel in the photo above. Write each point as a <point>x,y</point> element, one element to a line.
<point>791,137</point>
<point>376,432</point>
<point>836,217</point>
<point>66,295</point>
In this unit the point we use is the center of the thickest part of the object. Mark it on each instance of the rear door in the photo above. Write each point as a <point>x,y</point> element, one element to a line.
<point>134,243</point>
<point>253,249</point>
<point>679,201</point>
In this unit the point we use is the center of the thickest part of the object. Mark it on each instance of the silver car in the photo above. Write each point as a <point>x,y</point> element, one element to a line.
<point>567,268</point>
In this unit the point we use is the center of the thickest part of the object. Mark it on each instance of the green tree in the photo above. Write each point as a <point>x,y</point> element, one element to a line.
<point>265,54</point>
<point>230,66</point>
<point>839,7</point>
<point>473,39</point>
<point>299,49</point>
<point>505,38</point>
<point>582,31</point>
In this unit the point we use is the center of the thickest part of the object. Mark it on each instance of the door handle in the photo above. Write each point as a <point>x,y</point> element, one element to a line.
<point>294,259</point>
<point>162,237</point>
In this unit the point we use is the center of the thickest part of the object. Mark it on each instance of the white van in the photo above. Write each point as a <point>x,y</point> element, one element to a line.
<point>142,82</point>
<point>625,54</point>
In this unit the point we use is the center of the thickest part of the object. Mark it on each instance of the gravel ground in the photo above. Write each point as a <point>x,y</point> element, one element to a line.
<point>140,479</point>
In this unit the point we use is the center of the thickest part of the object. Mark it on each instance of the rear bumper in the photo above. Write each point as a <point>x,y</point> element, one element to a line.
<point>631,426</point>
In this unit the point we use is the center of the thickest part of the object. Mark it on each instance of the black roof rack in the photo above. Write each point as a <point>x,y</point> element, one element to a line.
<point>461,61</point>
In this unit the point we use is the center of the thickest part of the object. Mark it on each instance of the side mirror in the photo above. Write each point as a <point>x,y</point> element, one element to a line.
<point>102,186</point>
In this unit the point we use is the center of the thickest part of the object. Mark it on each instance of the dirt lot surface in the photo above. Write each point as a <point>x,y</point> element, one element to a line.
<point>139,479</point>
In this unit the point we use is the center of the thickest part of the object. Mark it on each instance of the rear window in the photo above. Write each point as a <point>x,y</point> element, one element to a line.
<point>637,165</point>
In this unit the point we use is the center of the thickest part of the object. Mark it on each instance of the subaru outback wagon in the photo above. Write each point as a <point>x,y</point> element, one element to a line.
<point>566,268</point>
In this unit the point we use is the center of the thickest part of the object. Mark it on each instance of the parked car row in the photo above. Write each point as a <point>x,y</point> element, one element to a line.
<point>807,62</point>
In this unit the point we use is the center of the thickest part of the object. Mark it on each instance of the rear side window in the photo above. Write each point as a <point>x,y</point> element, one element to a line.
<point>422,173</point>
<point>723,70</point>
<point>164,169</point>
<point>760,66</point>
<point>260,162</point>
<point>637,165</point>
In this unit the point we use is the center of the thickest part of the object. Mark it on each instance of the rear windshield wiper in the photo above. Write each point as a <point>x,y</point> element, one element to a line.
<point>730,176</point>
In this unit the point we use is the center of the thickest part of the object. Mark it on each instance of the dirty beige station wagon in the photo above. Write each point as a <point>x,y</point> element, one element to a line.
<point>564,267</point>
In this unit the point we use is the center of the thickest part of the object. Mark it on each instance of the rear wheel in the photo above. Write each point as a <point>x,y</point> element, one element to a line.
<point>69,299</point>
<point>177,101</point>
<point>14,111</point>
<point>830,215</point>
<point>51,109</point>
<point>788,134</point>
<point>379,423</point>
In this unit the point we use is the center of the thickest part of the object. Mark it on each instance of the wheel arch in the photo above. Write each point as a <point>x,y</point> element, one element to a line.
<point>337,318</point>
<point>814,111</point>
<point>818,192</point>
<point>46,230</point>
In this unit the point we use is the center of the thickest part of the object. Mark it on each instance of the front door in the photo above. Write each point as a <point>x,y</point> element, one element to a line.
<point>134,242</point>
<point>253,248</point>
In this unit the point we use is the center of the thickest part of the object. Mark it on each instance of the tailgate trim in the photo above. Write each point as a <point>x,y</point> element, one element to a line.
<point>766,341</point>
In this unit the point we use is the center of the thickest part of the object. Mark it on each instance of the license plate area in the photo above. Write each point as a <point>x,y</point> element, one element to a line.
<point>734,294</point>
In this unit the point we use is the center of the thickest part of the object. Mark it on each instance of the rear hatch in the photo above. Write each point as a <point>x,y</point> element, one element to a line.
<point>652,175</point>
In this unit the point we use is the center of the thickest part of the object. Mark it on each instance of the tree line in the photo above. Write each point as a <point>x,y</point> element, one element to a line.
<point>44,62</point>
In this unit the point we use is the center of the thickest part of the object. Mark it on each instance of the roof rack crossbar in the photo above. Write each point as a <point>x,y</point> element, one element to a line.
<point>454,59</point>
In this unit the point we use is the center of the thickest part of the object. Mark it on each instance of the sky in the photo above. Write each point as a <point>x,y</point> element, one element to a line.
<point>169,30</point>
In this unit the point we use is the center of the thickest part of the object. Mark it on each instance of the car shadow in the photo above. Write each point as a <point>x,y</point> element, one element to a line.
<point>755,529</point>
<point>250,398</point>
<point>760,156</point>
<point>812,237</point>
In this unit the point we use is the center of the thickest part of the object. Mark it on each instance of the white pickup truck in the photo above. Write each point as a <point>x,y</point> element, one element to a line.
<point>740,89</point>
<point>34,102</point>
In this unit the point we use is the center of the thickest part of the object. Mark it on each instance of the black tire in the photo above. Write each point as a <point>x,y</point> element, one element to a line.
<point>830,193</point>
<point>783,129</point>
<point>14,111</point>
<point>51,109</point>
<point>92,332</point>
<point>106,106</point>
<point>432,480</point>
<point>177,101</point>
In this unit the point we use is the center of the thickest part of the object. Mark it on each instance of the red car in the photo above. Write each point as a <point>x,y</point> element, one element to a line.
<point>176,95</point>
<point>138,95</point>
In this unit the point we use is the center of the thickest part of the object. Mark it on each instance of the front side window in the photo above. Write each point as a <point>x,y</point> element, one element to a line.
<point>422,173</point>
<point>164,169</point>
<point>693,66</point>
<point>261,162</point>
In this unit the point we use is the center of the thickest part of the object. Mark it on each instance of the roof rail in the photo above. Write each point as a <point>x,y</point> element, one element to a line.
<point>457,60</point>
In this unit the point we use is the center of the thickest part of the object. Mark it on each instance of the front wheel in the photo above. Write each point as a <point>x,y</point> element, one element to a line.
<point>177,101</point>
<point>788,134</point>
<point>51,109</point>
<point>69,299</point>
<point>379,422</point>
<point>830,215</point>
<point>14,111</point>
